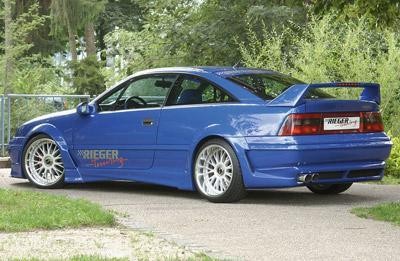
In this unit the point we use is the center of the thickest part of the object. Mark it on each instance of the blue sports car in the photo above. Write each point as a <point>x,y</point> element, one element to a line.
<point>217,130</point>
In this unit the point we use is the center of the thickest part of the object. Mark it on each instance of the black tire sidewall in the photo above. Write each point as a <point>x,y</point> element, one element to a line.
<point>59,183</point>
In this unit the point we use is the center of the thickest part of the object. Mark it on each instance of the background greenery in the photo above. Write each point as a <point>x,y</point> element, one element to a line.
<point>85,46</point>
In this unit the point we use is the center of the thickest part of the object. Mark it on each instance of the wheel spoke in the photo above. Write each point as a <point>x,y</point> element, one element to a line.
<point>214,170</point>
<point>43,162</point>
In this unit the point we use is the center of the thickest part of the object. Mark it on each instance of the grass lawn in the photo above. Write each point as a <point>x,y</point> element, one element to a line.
<point>390,180</point>
<point>385,212</point>
<point>26,211</point>
<point>387,180</point>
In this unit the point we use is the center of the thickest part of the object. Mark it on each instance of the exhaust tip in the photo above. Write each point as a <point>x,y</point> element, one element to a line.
<point>315,177</point>
<point>306,178</point>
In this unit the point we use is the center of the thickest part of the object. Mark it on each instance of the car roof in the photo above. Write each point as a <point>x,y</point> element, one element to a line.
<point>223,71</point>
<point>214,73</point>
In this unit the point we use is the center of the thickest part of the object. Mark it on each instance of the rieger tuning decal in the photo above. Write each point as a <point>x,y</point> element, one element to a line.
<point>102,158</point>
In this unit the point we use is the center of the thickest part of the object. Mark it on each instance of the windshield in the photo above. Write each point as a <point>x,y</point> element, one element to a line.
<point>269,86</point>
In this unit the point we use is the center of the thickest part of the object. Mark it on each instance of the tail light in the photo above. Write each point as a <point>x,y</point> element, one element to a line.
<point>372,122</point>
<point>313,123</point>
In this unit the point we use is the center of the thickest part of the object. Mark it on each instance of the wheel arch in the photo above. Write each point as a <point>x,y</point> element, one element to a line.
<point>52,132</point>
<point>238,145</point>
<point>204,140</point>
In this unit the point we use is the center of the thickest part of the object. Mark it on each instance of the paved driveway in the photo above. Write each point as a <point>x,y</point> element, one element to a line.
<point>289,224</point>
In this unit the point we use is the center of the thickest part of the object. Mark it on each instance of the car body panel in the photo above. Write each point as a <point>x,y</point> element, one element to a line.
<point>123,137</point>
<point>117,146</point>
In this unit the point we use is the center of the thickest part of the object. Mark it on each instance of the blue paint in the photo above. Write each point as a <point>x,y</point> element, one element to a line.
<point>163,152</point>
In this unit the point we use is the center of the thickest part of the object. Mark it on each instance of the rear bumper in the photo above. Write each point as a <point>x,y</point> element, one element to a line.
<point>343,158</point>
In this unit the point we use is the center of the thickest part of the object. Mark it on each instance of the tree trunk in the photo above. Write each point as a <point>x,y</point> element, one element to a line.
<point>90,39</point>
<point>72,44</point>
<point>8,53</point>
<point>100,38</point>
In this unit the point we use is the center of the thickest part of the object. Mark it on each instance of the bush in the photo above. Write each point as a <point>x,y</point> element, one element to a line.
<point>327,50</point>
<point>87,77</point>
<point>393,163</point>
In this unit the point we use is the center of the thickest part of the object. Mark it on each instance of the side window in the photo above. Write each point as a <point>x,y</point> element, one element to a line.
<point>194,90</point>
<point>147,92</point>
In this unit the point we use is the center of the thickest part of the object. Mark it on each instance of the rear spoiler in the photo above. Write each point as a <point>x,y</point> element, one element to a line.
<point>295,94</point>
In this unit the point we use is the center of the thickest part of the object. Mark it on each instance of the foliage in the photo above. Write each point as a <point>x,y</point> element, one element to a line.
<point>125,14</point>
<point>24,211</point>
<point>328,50</point>
<point>384,212</point>
<point>32,72</point>
<point>74,14</point>
<point>86,76</point>
<point>384,13</point>
<point>389,180</point>
<point>183,32</point>
<point>25,109</point>
<point>393,163</point>
<point>118,14</point>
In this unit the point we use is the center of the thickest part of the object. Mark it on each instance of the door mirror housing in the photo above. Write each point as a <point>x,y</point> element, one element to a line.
<point>85,108</point>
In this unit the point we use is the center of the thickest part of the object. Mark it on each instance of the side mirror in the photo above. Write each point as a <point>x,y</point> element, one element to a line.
<point>85,108</point>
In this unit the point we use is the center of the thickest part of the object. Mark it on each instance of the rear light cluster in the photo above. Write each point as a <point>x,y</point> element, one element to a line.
<point>313,123</point>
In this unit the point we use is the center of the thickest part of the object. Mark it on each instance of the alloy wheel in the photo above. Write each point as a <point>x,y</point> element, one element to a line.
<point>43,162</point>
<point>214,170</point>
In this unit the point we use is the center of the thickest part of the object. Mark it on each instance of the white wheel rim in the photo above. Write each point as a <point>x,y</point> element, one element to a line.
<point>43,162</point>
<point>214,170</point>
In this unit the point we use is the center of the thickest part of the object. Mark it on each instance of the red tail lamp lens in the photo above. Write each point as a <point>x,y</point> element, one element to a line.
<point>372,122</point>
<point>301,124</point>
<point>313,123</point>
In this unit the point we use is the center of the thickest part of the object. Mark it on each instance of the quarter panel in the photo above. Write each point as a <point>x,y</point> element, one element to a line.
<point>183,127</point>
<point>185,124</point>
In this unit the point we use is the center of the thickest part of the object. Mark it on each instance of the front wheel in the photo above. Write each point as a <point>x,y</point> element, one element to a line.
<point>329,188</point>
<point>217,173</point>
<point>42,162</point>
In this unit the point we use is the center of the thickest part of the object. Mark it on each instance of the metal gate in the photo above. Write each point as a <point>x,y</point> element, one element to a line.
<point>19,108</point>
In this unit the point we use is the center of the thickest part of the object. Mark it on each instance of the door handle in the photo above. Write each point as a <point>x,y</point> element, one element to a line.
<point>148,122</point>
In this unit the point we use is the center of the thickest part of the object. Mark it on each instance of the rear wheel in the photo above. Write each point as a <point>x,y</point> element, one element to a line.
<point>42,163</point>
<point>329,188</point>
<point>217,173</point>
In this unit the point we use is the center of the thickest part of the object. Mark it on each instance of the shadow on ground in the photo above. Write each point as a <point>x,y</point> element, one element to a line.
<point>296,197</point>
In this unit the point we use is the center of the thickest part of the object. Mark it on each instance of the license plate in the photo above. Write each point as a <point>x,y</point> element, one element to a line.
<point>342,123</point>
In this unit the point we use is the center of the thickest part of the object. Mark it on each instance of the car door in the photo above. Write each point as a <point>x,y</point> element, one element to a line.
<point>193,105</point>
<point>122,133</point>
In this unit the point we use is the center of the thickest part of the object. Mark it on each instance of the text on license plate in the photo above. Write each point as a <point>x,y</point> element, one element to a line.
<point>342,123</point>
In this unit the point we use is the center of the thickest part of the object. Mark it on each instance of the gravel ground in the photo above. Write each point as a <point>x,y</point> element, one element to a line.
<point>104,242</point>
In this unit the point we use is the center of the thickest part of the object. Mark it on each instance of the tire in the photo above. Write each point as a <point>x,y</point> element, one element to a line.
<point>223,183</point>
<point>42,163</point>
<point>329,189</point>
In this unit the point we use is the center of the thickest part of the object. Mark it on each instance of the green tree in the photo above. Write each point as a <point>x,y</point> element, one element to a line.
<point>184,32</point>
<point>87,77</point>
<point>8,46</point>
<point>329,50</point>
<point>384,13</point>
<point>122,14</point>
<point>74,16</point>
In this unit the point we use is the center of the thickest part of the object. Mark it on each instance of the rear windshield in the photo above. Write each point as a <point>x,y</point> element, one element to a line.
<point>270,86</point>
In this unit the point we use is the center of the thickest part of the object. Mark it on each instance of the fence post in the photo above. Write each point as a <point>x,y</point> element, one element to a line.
<point>2,127</point>
<point>9,118</point>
